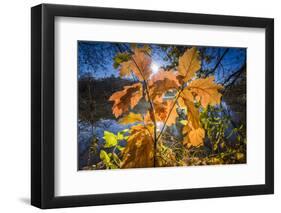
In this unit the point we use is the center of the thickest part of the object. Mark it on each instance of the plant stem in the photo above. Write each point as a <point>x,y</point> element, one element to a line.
<point>153,111</point>
<point>165,123</point>
<point>182,88</point>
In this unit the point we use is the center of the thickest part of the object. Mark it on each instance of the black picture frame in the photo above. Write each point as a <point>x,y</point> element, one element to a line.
<point>43,102</point>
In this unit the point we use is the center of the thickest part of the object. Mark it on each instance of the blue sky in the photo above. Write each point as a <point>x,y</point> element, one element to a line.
<point>96,59</point>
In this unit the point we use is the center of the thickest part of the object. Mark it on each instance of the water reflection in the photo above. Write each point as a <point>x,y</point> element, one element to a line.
<point>87,132</point>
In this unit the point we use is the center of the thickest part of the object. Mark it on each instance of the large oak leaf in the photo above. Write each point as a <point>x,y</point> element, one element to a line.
<point>139,64</point>
<point>162,82</point>
<point>189,64</point>
<point>196,137</point>
<point>138,152</point>
<point>206,91</point>
<point>126,99</point>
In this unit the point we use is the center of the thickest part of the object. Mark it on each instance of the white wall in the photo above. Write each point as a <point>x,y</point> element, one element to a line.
<point>15,105</point>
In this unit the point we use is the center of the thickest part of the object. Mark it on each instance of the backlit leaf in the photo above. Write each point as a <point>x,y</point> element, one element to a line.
<point>192,112</point>
<point>162,82</point>
<point>126,99</point>
<point>120,58</point>
<point>138,152</point>
<point>131,118</point>
<point>110,139</point>
<point>166,112</point>
<point>189,64</point>
<point>104,157</point>
<point>196,136</point>
<point>192,130</point>
<point>183,122</point>
<point>206,91</point>
<point>139,64</point>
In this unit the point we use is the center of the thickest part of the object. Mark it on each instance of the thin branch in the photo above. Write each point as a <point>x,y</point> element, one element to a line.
<point>234,75</point>
<point>165,123</point>
<point>153,110</point>
<point>218,63</point>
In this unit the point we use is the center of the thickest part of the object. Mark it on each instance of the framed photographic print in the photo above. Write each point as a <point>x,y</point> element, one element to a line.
<point>139,106</point>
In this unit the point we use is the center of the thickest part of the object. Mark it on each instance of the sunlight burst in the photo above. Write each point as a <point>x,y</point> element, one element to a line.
<point>154,68</point>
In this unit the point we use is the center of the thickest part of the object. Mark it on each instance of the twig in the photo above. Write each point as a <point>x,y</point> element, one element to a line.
<point>153,111</point>
<point>218,63</point>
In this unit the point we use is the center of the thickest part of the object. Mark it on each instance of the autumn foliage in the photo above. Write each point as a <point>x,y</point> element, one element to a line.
<point>166,92</point>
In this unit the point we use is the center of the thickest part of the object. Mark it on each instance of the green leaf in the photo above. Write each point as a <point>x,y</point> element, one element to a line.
<point>119,58</point>
<point>183,122</point>
<point>110,139</point>
<point>120,147</point>
<point>104,157</point>
<point>124,131</point>
<point>120,136</point>
<point>112,166</point>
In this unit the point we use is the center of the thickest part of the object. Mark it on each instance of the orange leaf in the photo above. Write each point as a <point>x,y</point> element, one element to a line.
<point>139,64</point>
<point>196,136</point>
<point>162,110</point>
<point>189,64</point>
<point>192,112</point>
<point>161,82</point>
<point>206,91</point>
<point>138,152</point>
<point>126,99</point>
<point>193,132</point>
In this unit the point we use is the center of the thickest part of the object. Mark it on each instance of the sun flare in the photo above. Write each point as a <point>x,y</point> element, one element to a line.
<point>154,68</point>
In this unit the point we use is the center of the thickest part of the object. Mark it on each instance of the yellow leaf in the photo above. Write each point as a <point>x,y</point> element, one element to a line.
<point>206,91</point>
<point>138,152</point>
<point>239,156</point>
<point>196,137</point>
<point>126,99</point>
<point>189,64</point>
<point>131,118</point>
